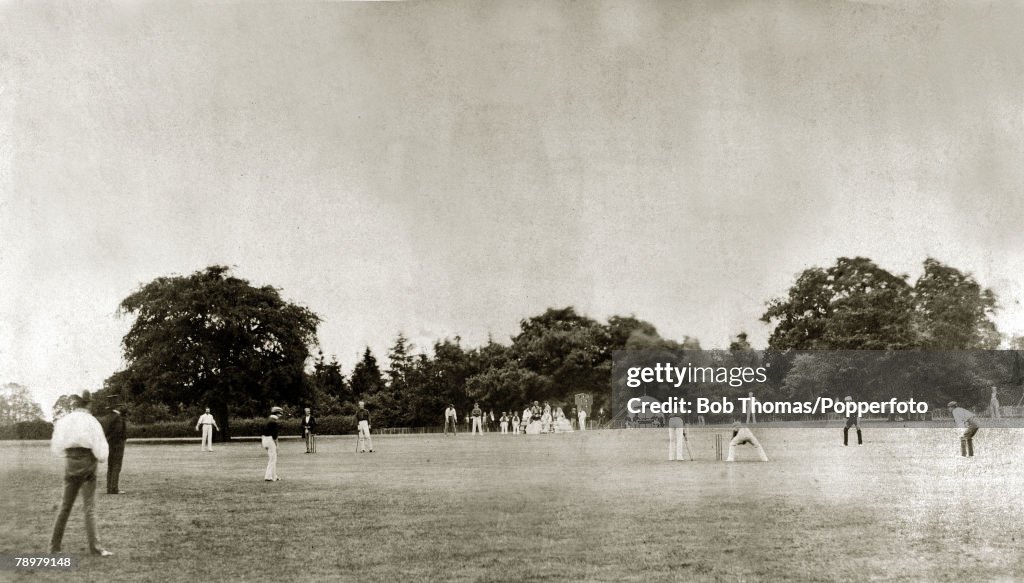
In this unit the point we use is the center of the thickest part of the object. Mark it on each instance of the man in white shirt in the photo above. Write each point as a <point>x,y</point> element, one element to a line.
<point>79,438</point>
<point>477,414</point>
<point>968,425</point>
<point>583,419</point>
<point>451,419</point>
<point>209,424</point>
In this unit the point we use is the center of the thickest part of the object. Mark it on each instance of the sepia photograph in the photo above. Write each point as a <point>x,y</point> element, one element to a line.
<point>534,290</point>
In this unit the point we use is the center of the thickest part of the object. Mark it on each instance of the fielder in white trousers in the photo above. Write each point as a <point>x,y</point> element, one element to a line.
<point>677,440</point>
<point>477,426</point>
<point>207,437</point>
<point>364,436</point>
<point>742,435</point>
<point>270,444</point>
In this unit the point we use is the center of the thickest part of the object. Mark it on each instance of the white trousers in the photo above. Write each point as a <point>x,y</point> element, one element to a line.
<point>271,473</point>
<point>477,426</point>
<point>677,444</point>
<point>207,437</point>
<point>364,436</point>
<point>504,426</point>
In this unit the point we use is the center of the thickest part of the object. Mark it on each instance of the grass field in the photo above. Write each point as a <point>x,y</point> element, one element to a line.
<point>595,506</point>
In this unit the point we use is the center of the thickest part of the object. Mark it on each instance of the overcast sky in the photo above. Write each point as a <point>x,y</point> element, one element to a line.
<point>450,168</point>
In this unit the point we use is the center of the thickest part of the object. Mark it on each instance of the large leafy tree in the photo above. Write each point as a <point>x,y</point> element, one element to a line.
<point>857,305</point>
<point>17,405</point>
<point>572,351</point>
<point>953,310</point>
<point>213,339</point>
<point>852,305</point>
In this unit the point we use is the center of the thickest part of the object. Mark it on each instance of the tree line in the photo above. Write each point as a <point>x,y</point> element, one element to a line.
<point>212,339</point>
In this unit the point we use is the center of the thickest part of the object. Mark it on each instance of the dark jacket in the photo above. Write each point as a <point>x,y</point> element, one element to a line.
<point>271,428</point>
<point>310,426</point>
<point>116,430</point>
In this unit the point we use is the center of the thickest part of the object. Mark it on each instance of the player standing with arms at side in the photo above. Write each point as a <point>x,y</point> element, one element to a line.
<point>852,421</point>
<point>116,430</point>
<point>209,424</point>
<point>363,425</point>
<point>477,415</point>
<point>271,430</point>
<point>968,424</point>
<point>308,429</point>
<point>79,438</point>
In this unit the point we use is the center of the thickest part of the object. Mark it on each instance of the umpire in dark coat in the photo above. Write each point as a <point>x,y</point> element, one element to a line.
<point>116,429</point>
<point>308,429</point>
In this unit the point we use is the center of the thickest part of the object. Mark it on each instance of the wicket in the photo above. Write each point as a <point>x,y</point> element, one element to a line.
<point>718,447</point>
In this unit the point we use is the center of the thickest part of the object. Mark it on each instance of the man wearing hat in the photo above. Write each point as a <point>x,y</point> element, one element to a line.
<point>968,424</point>
<point>116,429</point>
<point>852,420</point>
<point>308,423</point>
<point>79,438</point>
<point>451,419</point>
<point>271,429</point>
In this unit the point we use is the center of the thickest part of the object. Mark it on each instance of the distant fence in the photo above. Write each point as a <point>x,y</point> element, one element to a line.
<point>463,428</point>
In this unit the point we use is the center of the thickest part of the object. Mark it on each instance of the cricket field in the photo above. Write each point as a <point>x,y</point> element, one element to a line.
<point>587,506</point>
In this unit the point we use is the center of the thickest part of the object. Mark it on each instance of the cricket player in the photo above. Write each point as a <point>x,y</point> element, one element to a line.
<point>994,402</point>
<point>582,415</point>
<point>515,423</point>
<point>852,421</point>
<point>451,419</point>
<point>308,423</point>
<point>271,430</point>
<point>504,422</point>
<point>477,415</point>
<point>79,438</point>
<point>967,422</point>
<point>740,436</point>
<point>209,424</point>
<point>363,423</point>
<point>116,430</point>
<point>677,440</point>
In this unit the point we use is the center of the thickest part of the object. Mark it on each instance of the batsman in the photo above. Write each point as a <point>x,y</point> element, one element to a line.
<point>967,422</point>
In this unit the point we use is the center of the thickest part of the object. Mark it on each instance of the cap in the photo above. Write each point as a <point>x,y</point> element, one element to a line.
<point>276,411</point>
<point>952,404</point>
<point>848,398</point>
